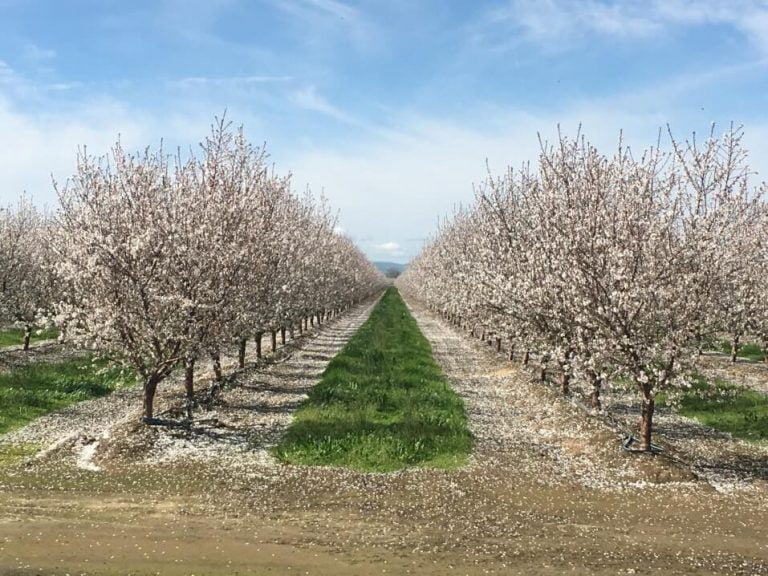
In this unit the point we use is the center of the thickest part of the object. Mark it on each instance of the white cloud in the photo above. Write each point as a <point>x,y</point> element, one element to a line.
<point>554,23</point>
<point>389,247</point>
<point>311,9</point>
<point>309,99</point>
<point>229,82</point>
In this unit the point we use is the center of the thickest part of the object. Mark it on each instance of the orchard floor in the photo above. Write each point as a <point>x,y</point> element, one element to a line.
<point>548,489</point>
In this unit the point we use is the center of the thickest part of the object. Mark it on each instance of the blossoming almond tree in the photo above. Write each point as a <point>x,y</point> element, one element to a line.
<point>609,265</point>
<point>163,265</point>
<point>114,255</point>
<point>27,283</point>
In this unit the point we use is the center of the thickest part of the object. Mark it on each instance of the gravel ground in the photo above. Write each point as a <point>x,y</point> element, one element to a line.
<point>548,489</point>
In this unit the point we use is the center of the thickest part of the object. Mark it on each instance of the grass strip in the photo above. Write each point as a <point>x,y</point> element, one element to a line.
<point>750,351</point>
<point>738,410</point>
<point>36,389</point>
<point>382,404</point>
<point>15,336</point>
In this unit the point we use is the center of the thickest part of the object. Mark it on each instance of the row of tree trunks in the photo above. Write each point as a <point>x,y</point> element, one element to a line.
<point>150,383</point>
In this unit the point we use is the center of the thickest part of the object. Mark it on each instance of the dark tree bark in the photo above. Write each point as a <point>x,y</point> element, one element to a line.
<point>27,335</point>
<point>282,335</point>
<point>301,329</point>
<point>511,350</point>
<point>312,320</point>
<point>597,385</point>
<point>189,383</point>
<point>565,382</point>
<point>241,352</point>
<point>526,357</point>
<point>150,387</point>
<point>646,418</point>
<point>498,344</point>
<point>482,336</point>
<point>273,340</point>
<point>257,339</point>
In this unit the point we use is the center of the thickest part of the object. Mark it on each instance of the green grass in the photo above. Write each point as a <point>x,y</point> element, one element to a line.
<point>15,336</point>
<point>749,350</point>
<point>382,403</point>
<point>741,411</point>
<point>36,389</point>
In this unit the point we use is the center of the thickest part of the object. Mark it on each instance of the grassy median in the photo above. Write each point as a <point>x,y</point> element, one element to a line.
<point>382,404</point>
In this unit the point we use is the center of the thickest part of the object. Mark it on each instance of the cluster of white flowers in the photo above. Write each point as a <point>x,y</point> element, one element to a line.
<point>163,261</point>
<point>26,279</point>
<point>603,266</point>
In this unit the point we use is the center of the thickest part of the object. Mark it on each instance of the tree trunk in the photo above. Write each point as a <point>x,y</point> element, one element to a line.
<point>282,335</point>
<point>511,350</point>
<point>241,353</point>
<point>301,329</point>
<point>290,331</point>
<point>565,382</point>
<point>526,357</point>
<point>273,340</point>
<point>646,419</point>
<point>543,373</point>
<point>597,384</point>
<point>150,387</point>
<point>482,336</point>
<point>311,319</point>
<point>27,335</point>
<point>189,383</point>
<point>699,343</point>
<point>216,359</point>
<point>319,319</point>
<point>258,338</point>
<point>498,344</point>
<point>306,323</point>
<point>735,347</point>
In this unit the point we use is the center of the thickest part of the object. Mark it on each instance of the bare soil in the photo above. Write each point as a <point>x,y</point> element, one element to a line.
<point>548,489</point>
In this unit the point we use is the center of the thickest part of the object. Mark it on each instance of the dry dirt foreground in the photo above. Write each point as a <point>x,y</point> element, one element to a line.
<point>547,492</point>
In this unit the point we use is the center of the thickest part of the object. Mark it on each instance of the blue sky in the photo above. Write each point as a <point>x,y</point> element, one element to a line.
<point>391,108</point>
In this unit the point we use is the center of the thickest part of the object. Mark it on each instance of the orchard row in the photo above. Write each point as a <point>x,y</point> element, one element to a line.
<point>160,262</point>
<point>608,266</point>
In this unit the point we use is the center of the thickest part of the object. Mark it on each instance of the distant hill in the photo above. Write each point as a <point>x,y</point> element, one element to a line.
<point>390,269</point>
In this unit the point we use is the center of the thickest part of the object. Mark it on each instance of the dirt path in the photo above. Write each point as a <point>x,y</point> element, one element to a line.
<point>547,492</point>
